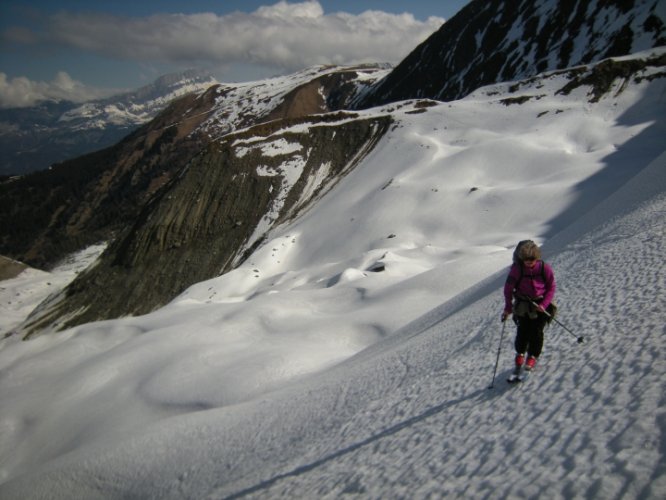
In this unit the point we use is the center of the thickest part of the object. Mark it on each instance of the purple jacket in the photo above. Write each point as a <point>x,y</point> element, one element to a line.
<point>532,285</point>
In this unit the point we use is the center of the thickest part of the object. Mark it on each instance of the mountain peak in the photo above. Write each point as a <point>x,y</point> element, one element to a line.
<point>170,85</point>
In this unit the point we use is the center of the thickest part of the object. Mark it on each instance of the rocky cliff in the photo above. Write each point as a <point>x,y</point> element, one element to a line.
<point>45,215</point>
<point>48,214</point>
<point>187,196</point>
<point>217,210</point>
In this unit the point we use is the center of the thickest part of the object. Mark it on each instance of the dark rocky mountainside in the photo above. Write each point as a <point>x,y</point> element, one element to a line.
<point>181,185</point>
<point>491,41</point>
<point>48,214</point>
<point>10,268</point>
<point>204,223</point>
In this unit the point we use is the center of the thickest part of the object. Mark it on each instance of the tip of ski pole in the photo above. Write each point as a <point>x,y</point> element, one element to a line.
<point>580,340</point>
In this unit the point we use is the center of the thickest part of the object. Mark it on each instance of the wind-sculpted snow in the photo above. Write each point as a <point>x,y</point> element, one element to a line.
<point>413,417</point>
<point>416,420</point>
<point>351,353</point>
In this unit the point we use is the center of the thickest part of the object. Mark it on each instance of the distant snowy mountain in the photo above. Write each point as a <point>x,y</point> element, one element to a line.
<point>34,138</point>
<point>137,107</point>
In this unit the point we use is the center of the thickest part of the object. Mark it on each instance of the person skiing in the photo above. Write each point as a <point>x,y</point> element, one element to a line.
<point>528,292</point>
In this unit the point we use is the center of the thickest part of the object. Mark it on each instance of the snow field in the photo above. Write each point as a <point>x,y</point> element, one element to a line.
<point>306,374</point>
<point>589,423</point>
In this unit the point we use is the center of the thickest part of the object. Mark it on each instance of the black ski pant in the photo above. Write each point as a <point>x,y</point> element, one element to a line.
<point>529,337</point>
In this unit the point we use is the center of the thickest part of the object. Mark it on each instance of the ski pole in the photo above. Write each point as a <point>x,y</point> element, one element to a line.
<point>579,339</point>
<point>499,349</point>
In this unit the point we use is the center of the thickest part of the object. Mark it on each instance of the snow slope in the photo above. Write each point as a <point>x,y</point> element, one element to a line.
<point>310,373</point>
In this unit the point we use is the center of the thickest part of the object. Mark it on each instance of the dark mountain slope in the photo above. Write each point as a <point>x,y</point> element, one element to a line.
<point>204,222</point>
<point>48,214</point>
<point>491,41</point>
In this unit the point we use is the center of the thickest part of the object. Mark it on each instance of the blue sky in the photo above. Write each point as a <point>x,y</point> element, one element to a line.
<point>90,48</point>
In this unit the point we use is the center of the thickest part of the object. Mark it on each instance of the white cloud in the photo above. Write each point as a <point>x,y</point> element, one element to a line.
<point>21,92</point>
<point>286,36</point>
<point>279,38</point>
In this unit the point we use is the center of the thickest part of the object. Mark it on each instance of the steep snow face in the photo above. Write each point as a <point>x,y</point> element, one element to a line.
<point>351,354</point>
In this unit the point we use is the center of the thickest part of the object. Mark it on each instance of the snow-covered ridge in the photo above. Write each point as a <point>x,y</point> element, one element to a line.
<point>240,104</point>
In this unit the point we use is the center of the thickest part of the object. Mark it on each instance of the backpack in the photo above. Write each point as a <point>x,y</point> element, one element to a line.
<point>552,307</point>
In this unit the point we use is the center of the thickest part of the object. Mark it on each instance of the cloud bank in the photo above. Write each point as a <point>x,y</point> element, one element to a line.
<point>288,36</point>
<point>21,91</point>
<point>279,38</point>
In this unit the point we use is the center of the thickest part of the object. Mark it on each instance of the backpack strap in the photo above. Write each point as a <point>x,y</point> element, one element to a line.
<point>520,278</point>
